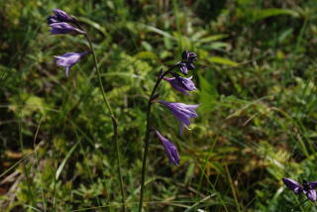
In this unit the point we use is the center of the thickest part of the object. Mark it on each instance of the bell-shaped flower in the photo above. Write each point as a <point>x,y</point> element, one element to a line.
<point>308,188</point>
<point>60,16</point>
<point>68,60</point>
<point>182,112</point>
<point>64,28</point>
<point>181,84</point>
<point>170,149</point>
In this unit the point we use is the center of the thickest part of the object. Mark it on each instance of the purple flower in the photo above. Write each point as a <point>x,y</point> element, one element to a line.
<point>182,112</point>
<point>306,188</point>
<point>60,16</point>
<point>64,28</point>
<point>188,59</point>
<point>181,84</point>
<point>68,60</point>
<point>170,149</point>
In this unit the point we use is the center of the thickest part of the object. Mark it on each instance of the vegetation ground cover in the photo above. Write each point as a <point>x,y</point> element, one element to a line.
<point>256,80</point>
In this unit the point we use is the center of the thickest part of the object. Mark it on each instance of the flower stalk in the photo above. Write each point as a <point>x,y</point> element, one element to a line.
<point>62,23</point>
<point>113,119</point>
<point>182,112</point>
<point>148,130</point>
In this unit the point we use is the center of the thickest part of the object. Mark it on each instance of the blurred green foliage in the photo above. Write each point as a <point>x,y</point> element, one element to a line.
<point>256,75</point>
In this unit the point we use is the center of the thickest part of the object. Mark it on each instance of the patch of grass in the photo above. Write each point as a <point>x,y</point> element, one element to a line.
<point>257,124</point>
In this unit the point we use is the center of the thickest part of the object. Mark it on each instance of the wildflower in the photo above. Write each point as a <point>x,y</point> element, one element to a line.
<point>182,112</point>
<point>188,59</point>
<point>170,149</point>
<point>306,188</point>
<point>64,28</point>
<point>60,16</point>
<point>68,60</point>
<point>181,84</point>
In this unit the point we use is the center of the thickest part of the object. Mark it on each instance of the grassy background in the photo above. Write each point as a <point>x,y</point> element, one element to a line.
<point>256,75</point>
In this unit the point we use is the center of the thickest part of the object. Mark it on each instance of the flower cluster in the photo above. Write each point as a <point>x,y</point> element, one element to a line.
<point>182,112</point>
<point>187,63</point>
<point>62,23</point>
<point>308,188</point>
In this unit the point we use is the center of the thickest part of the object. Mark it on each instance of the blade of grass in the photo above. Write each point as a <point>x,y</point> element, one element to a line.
<point>61,166</point>
<point>191,208</point>
<point>233,189</point>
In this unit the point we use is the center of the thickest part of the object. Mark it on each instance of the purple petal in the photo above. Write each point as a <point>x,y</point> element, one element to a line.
<point>313,184</point>
<point>183,68</point>
<point>52,19</point>
<point>64,28</point>
<point>188,83</point>
<point>62,16</point>
<point>176,85</point>
<point>311,195</point>
<point>190,66</point>
<point>181,128</point>
<point>68,60</point>
<point>170,149</point>
<point>187,63</point>
<point>188,56</point>
<point>293,185</point>
<point>182,112</point>
<point>181,84</point>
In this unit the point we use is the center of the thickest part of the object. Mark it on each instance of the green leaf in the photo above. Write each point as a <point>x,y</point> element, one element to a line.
<point>190,173</point>
<point>265,13</point>
<point>61,166</point>
<point>159,31</point>
<point>146,55</point>
<point>218,45</point>
<point>94,25</point>
<point>208,93</point>
<point>223,61</point>
<point>212,38</point>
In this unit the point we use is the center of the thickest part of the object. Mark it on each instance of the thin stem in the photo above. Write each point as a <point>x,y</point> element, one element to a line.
<point>147,133</point>
<point>99,76</point>
<point>37,159</point>
<point>233,189</point>
<point>24,168</point>
<point>113,119</point>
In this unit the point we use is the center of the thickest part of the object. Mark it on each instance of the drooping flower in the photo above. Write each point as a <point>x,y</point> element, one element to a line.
<point>68,60</point>
<point>64,28</point>
<point>170,149</point>
<point>59,16</point>
<point>188,59</point>
<point>181,84</point>
<point>182,112</point>
<point>307,188</point>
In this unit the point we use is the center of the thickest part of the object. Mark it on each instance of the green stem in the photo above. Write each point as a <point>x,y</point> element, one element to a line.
<point>235,196</point>
<point>113,119</point>
<point>24,168</point>
<point>147,133</point>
